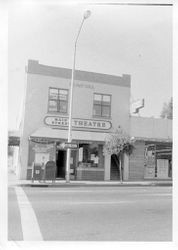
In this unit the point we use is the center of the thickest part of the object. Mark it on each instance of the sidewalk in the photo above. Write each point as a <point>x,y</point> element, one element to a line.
<point>13,181</point>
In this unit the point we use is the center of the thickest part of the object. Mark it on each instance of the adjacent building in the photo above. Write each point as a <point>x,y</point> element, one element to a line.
<point>152,157</point>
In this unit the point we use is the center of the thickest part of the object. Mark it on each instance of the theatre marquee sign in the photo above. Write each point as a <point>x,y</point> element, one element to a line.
<point>77,123</point>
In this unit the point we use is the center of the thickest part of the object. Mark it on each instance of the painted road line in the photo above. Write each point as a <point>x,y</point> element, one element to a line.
<point>55,190</point>
<point>76,191</point>
<point>94,202</point>
<point>30,227</point>
<point>165,194</point>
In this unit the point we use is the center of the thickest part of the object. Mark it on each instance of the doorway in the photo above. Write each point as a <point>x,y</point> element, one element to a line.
<point>60,163</point>
<point>114,172</point>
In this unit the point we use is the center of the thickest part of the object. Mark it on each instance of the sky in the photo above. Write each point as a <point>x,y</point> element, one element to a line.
<point>115,39</point>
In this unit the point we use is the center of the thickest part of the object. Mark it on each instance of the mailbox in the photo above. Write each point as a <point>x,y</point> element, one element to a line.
<point>50,171</point>
<point>38,172</point>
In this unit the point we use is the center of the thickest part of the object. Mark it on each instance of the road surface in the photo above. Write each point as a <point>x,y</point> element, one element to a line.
<point>90,213</point>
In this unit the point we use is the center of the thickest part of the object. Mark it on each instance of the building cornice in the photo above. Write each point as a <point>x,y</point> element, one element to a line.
<point>35,68</point>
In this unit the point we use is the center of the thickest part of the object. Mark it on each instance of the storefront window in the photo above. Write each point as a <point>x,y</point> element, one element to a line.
<point>58,100</point>
<point>91,155</point>
<point>170,169</point>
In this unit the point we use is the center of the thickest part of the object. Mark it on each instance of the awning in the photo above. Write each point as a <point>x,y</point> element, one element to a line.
<point>13,141</point>
<point>14,138</point>
<point>57,134</point>
<point>147,139</point>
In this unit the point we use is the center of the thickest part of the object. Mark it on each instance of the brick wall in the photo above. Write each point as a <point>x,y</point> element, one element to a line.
<point>90,174</point>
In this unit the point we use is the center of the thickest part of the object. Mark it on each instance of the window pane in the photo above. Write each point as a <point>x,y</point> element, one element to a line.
<point>53,93</point>
<point>97,103</point>
<point>97,110</point>
<point>52,105</point>
<point>63,107</point>
<point>97,97</point>
<point>106,111</point>
<point>106,99</point>
<point>62,97</point>
<point>63,92</point>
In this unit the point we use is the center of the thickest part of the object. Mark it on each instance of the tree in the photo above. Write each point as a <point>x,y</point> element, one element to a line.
<point>117,144</point>
<point>167,110</point>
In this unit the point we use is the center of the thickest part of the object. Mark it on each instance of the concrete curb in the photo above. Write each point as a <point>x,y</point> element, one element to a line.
<point>75,185</point>
<point>13,181</point>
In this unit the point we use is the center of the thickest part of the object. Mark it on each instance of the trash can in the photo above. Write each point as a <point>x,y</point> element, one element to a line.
<point>38,172</point>
<point>50,171</point>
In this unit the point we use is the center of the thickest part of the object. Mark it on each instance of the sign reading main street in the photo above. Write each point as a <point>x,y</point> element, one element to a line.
<point>66,145</point>
<point>71,145</point>
<point>77,123</point>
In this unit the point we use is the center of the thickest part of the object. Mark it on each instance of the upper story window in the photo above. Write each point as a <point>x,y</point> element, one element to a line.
<point>102,105</point>
<point>58,100</point>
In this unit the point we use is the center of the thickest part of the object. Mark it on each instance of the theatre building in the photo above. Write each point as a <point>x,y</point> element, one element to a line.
<point>101,103</point>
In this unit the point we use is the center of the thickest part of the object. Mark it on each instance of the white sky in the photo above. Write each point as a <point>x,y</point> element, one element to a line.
<point>135,40</point>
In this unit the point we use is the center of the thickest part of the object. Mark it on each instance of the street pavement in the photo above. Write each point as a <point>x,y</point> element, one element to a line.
<point>90,213</point>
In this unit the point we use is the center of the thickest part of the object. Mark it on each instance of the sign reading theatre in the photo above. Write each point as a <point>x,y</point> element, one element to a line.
<point>77,123</point>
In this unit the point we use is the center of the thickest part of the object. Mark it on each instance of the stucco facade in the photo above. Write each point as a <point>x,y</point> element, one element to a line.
<point>35,124</point>
<point>43,131</point>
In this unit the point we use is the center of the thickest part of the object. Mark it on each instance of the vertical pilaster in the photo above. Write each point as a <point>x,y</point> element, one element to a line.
<point>126,167</point>
<point>107,167</point>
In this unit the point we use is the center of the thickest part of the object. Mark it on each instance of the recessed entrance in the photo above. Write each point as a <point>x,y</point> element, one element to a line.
<point>114,173</point>
<point>60,163</point>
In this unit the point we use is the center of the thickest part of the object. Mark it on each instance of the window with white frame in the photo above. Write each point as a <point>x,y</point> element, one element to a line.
<point>58,100</point>
<point>102,105</point>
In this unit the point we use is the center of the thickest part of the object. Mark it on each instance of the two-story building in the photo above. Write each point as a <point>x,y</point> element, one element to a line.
<point>101,103</point>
